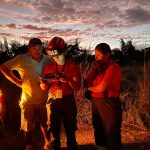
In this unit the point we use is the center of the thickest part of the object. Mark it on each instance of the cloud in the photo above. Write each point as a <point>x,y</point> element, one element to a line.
<point>44,33</point>
<point>73,18</point>
<point>138,15</point>
<point>12,25</point>
<point>32,27</point>
<point>111,14</point>
<point>6,34</point>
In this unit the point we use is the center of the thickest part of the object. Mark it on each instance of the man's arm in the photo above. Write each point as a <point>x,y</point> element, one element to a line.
<point>10,76</point>
<point>107,80</point>
<point>102,87</point>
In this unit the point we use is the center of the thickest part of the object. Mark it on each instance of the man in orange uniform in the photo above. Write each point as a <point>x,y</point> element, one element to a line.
<point>107,112</point>
<point>61,92</point>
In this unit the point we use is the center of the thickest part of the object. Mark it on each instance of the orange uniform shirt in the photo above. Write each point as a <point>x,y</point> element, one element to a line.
<point>71,73</point>
<point>113,76</point>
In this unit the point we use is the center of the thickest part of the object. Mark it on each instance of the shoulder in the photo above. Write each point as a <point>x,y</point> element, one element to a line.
<point>19,58</point>
<point>23,56</point>
<point>49,66</point>
<point>114,67</point>
<point>47,58</point>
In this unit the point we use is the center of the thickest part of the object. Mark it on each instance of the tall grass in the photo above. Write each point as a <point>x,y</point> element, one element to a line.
<point>83,105</point>
<point>136,100</point>
<point>131,113</point>
<point>144,94</point>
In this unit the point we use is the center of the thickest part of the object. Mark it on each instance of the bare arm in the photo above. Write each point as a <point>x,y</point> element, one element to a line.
<point>103,86</point>
<point>107,81</point>
<point>10,76</point>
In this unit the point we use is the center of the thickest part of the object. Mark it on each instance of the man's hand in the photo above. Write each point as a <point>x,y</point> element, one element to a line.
<point>62,80</point>
<point>96,64</point>
<point>44,85</point>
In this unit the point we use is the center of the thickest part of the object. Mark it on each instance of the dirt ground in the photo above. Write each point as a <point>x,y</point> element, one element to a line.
<point>131,139</point>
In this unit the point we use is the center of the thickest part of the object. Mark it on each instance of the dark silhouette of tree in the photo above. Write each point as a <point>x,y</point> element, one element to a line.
<point>6,45</point>
<point>139,56</point>
<point>123,47</point>
<point>118,56</point>
<point>22,49</point>
<point>128,50</point>
<point>45,44</point>
<point>75,53</point>
<point>5,52</point>
<point>15,47</point>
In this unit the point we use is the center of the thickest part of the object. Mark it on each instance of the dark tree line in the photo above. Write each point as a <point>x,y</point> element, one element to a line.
<point>126,54</point>
<point>10,50</point>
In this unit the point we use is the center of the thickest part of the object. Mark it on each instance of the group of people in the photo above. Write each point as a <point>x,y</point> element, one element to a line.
<point>48,83</point>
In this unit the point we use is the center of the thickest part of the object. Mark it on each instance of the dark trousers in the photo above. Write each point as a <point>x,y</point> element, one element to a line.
<point>107,119</point>
<point>64,109</point>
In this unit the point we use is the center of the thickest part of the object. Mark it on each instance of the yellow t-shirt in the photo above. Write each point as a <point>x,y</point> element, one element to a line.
<point>29,68</point>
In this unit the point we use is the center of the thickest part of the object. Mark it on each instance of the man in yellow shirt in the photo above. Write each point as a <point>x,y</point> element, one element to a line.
<point>33,99</point>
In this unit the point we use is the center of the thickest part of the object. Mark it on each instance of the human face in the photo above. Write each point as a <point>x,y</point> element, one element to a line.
<point>36,51</point>
<point>99,56</point>
<point>59,59</point>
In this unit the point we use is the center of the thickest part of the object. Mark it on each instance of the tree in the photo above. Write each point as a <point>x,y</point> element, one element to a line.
<point>128,50</point>
<point>15,47</point>
<point>75,52</point>
<point>118,56</point>
<point>123,47</point>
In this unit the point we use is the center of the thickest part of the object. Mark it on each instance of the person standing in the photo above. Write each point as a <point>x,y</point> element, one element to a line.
<point>67,79</point>
<point>33,99</point>
<point>106,105</point>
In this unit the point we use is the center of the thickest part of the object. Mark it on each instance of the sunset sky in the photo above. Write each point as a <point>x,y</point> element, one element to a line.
<point>92,21</point>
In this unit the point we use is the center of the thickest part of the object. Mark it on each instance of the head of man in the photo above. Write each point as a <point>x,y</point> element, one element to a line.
<point>56,49</point>
<point>35,48</point>
<point>102,52</point>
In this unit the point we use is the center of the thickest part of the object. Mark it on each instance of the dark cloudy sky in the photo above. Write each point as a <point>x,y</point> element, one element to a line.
<point>92,21</point>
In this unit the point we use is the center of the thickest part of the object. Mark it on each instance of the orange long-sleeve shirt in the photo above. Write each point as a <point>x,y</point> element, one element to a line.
<point>71,73</point>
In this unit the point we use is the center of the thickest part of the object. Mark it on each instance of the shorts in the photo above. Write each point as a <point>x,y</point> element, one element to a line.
<point>29,112</point>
